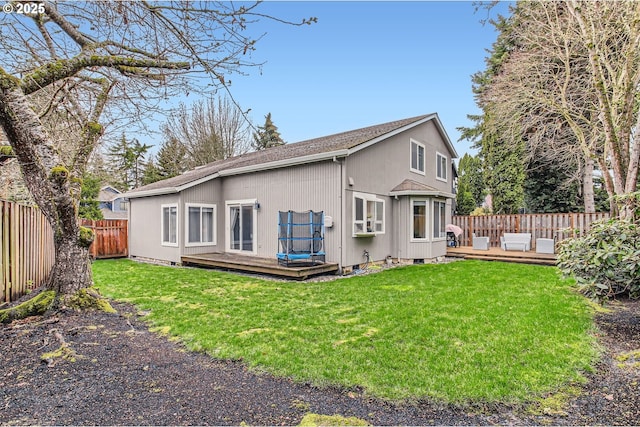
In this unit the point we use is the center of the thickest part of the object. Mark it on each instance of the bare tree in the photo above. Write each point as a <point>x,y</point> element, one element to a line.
<point>210,130</point>
<point>97,62</point>
<point>569,88</point>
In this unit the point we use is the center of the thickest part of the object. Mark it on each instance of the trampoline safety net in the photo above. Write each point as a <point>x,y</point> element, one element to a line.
<point>300,237</point>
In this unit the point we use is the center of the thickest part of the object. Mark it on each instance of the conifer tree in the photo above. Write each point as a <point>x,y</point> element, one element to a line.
<point>267,135</point>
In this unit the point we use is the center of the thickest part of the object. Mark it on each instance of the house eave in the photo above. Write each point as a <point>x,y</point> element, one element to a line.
<point>442,194</point>
<point>312,158</point>
<point>149,193</point>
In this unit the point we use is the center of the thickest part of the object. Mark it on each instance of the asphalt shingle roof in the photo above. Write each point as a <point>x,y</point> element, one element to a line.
<point>325,144</point>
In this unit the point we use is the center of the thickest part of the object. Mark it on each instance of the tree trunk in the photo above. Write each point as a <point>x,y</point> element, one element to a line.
<point>50,183</point>
<point>71,270</point>
<point>587,187</point>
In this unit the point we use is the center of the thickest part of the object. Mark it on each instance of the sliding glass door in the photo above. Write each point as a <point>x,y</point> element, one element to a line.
<point>241,226</point>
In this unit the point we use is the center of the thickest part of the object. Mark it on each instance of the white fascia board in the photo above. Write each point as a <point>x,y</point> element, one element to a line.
<point>389,134</point>
<point>148,193</point>
<point>442,194</point>
<point>284,163</point>
<point>447,140</point>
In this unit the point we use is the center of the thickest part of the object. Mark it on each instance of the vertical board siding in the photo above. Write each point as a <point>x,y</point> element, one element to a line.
<point>27,250</point>
<point>111,237</point>
<point>557,226</point>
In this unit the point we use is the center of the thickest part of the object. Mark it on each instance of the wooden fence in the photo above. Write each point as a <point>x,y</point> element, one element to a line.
<point>27,254</point>
<point>111,237</point>
<point>550,226</point>
<point>27,248</point>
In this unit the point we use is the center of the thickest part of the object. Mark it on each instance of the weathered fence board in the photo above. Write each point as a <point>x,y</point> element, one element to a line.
<point>111,237</point>
<point>26,240</point>
<point>550,226</point>
<point>27,248</point>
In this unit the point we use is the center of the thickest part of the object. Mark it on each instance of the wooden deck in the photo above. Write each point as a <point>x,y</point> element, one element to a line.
<point>497,254</point>
<point>257,265</point>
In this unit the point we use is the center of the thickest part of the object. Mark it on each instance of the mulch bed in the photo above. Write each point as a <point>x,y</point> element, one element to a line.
<point>115,372</point>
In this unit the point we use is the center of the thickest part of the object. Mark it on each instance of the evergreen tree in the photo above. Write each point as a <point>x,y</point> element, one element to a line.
<point>128,161</point>
<point>548,189</point>
<point>89,205</point>
<point>267,135</point>
<point>470,171</point>
<point>464,199</point>
<point>172,159</point>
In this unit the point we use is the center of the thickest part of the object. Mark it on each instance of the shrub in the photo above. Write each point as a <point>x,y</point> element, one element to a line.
<point>604,261</point>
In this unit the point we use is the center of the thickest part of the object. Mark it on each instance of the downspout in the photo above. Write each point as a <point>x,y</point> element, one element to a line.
<point>342,191</point>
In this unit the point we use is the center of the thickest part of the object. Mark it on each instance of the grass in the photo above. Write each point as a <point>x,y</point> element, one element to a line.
<point>457,332</point>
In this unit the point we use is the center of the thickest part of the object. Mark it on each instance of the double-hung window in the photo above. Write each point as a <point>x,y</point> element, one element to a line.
<point>169,225</point>
<point>439,218</point>
<point>417,157</point>
<point>441,167</point>
<point>200,227</point>
<point>368,214</point>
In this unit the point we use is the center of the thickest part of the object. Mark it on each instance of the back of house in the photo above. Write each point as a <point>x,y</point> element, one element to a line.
<point>385,190</point>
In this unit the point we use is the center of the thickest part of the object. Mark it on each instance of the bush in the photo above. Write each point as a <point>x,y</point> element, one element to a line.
<point>605,261</point>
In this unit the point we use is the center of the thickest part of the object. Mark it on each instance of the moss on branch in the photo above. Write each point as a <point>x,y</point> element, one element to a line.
<point>86,237</point>
<point>36,306</point>
<point>89,299</point>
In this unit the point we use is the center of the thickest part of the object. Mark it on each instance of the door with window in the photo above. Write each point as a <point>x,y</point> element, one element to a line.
<point>241,224</point>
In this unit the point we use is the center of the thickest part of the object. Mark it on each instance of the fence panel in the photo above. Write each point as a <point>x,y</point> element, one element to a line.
<point>111,238</point>
<point>550,226</point>
<point>26,241</point>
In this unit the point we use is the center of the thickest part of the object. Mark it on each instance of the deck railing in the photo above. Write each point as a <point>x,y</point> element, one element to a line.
<point>558,226</point>
<point>27,252</point>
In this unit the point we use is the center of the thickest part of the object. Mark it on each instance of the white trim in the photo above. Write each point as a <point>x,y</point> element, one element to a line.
<point>434,193</point>
<point>162,241</point>
<point>187,217</point>
<point>426,220</point>
<point>444,168</point>
<point>424,157</point>
<point>367,197</point>
<point>433,217</point>
<point>227,227</point>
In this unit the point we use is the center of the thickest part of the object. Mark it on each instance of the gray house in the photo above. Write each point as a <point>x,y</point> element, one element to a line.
<point>384,189</point>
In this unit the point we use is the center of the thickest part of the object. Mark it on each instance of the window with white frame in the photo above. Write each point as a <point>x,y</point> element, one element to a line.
<point>201,222</point>
<point>368,214</point>
<point>169,225</point>
<point>439,218</point>
<point>441,167</point>
<point>419,223</point>
<point>417,157</point>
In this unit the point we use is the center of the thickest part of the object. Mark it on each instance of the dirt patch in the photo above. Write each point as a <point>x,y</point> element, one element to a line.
<point>108,369</point>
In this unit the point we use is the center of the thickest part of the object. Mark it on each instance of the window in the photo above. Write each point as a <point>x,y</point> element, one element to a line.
<point>441,167</point>
<point>201,222</point>
<point>419,219</point>
<point>417,157</point>
<point>241,226</point>
<point>170,225</point>
<point>439,218</point>
<point>368,214</point>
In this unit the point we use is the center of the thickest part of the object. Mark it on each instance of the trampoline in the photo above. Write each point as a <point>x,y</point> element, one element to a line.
<point>300,238</point>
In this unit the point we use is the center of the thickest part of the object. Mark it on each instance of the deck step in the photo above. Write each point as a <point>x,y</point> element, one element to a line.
<point>496,254</point>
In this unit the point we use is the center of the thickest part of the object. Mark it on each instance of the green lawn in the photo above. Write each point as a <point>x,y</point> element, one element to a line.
<point>457,332</point>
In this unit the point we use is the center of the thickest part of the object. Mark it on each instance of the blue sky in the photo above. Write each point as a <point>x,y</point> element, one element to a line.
<point>364,63</point>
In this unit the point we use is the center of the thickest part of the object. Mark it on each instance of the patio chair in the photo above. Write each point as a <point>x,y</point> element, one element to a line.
<point>480,243</point>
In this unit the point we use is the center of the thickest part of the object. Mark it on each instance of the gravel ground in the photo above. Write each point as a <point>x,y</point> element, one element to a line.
<point>115,372</point>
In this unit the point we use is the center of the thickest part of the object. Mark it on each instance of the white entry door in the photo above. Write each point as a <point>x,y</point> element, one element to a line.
<point>241,226</point>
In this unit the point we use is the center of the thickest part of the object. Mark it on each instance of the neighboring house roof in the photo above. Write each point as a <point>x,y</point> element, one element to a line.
<point>109,214</point>
<point>324,148</point>
<point>108,194</point>
<point>409,187</point>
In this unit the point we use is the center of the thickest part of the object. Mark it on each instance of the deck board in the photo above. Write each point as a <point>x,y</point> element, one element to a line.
<point>497,254</point>
<point>254,264</point>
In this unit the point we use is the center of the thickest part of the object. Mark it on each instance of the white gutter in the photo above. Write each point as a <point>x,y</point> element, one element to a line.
<point>284,163</point>
<point>443,194</point>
